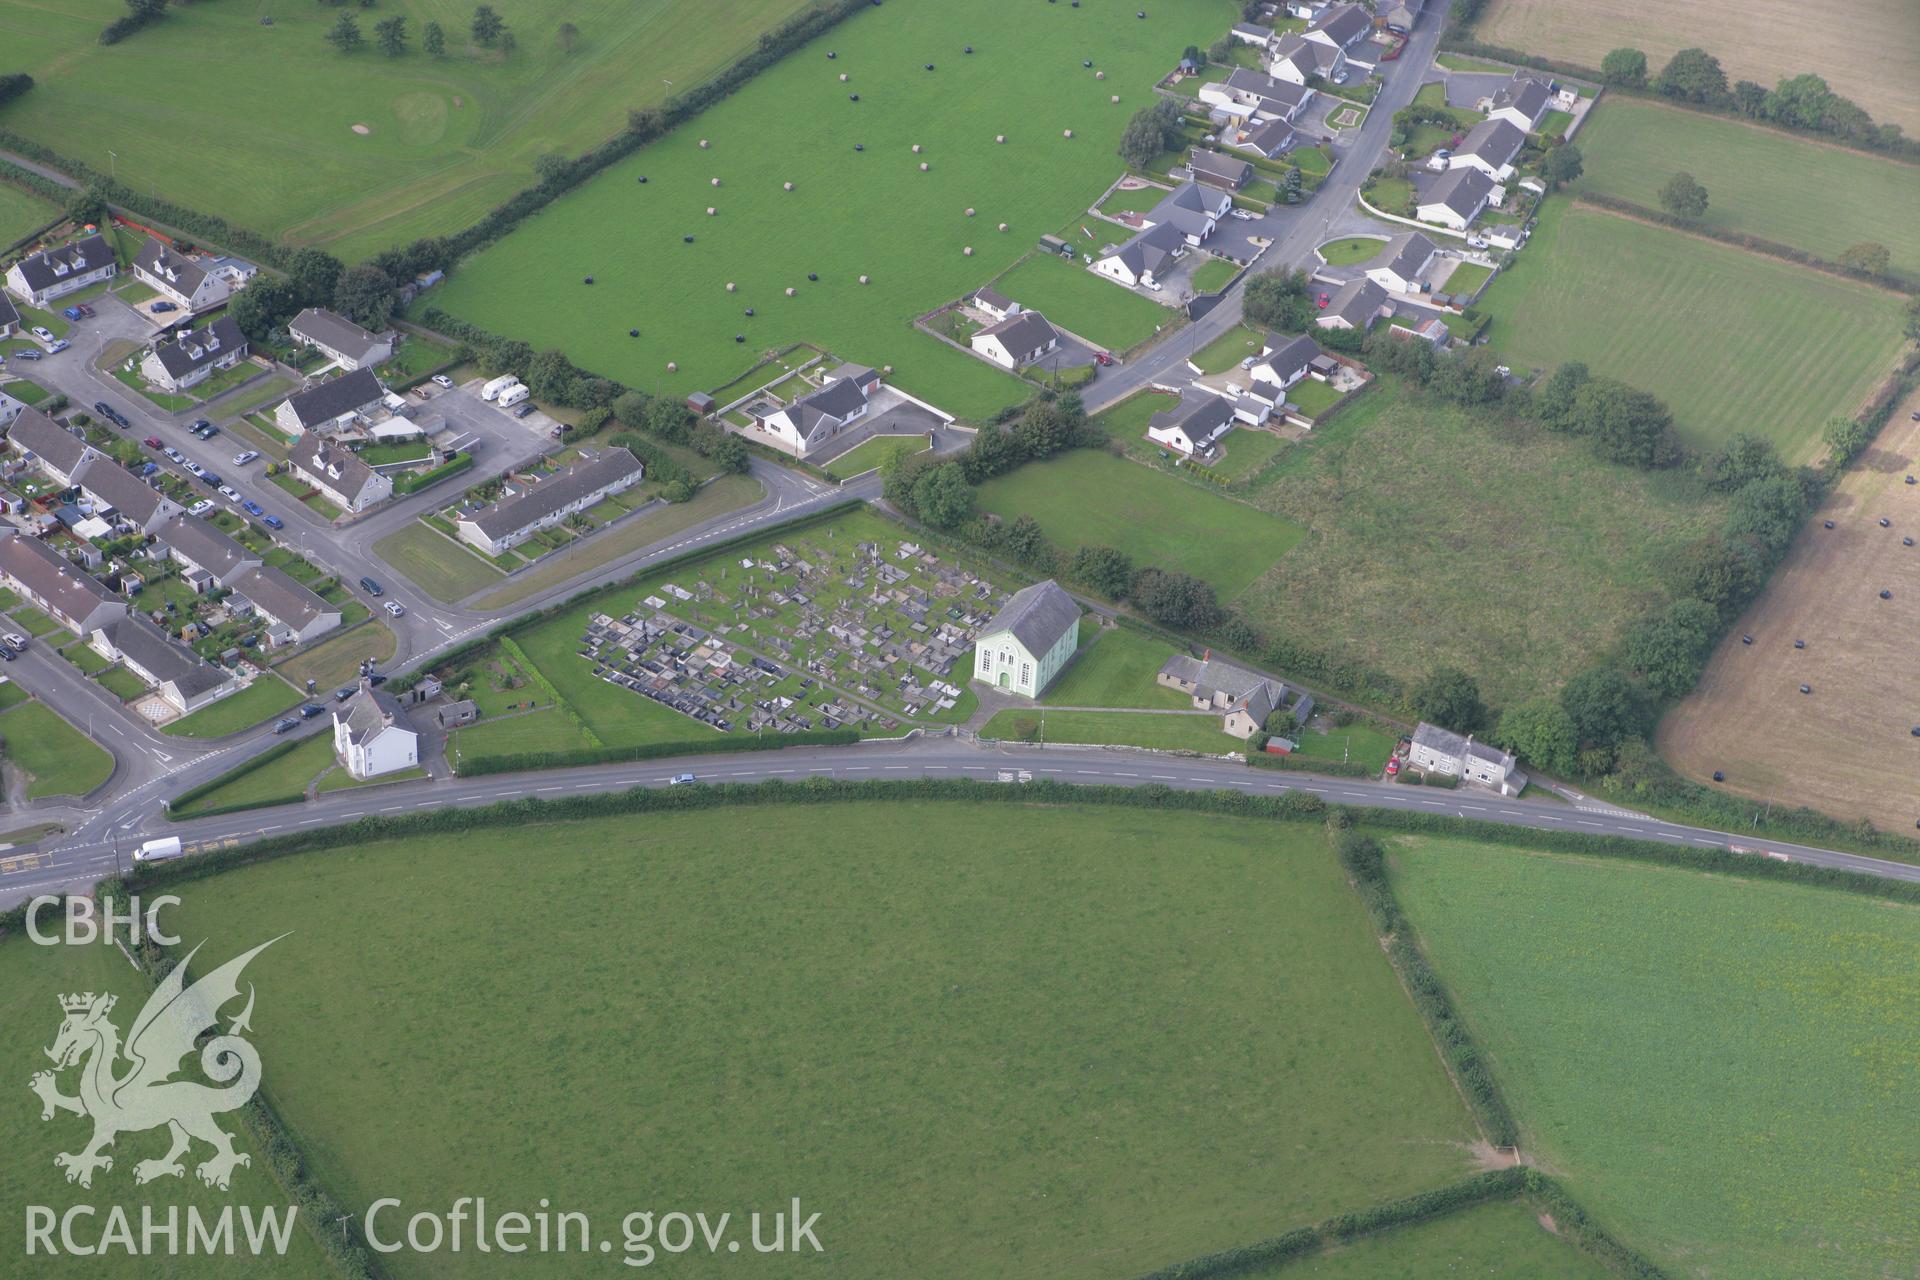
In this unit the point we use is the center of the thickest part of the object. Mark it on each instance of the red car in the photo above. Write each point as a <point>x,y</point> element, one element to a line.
<point>1102,359</point>
<point>152,442</point>
<point>1393,767</point>
<point>1324,299</point>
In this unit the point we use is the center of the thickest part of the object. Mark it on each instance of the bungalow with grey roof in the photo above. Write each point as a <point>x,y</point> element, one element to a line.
<point>1229,173</point>
<point>340,339</point>
<point>1271,139</point>
<point>1144,256</point>
<point>42,576</point>
<point>817,417</point>
<point>1249,95</point>
<point>1251,33</point>
<point>1455,198</point>
<point>1357,304</point>
<point>1244,698</point>
<point>293,614</point>
<point>997,305</point>
<point>58,452</point>
<point>338,473</point>
<point>1490,146</point>
<point>531,507</point>
<point>189,284</point>
<point>199,546</point>
<point>1342,26</point>
<point>1522,102</point>
<point>1399,266</point>
<point>1194,427</point>
<point>190,357</point>
<point>57,272</point>
<point>1017,341</point>
<point>1279,366</point>
<point>1298,60</point>
<point>1192,210</point>
<point>331,404</point>
<point>185,680</point>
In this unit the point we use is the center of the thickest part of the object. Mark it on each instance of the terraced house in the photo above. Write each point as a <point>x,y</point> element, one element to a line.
<point>130,500</point>
<point>183,679</point>
<point>57,451</point>
<point>293,614</point>
<point>76,600</point>
<point>536,505</point>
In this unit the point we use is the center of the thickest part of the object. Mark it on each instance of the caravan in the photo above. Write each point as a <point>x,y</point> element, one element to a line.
<point>493,389</point>
<point>513,395</point>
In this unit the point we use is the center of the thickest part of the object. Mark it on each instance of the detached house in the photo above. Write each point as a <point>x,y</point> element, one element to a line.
<point>293,614</point>
<point>1279,367</point>
<point>1029,640</point>
<point>1522,102</point>
<point>1298,60</point>
<point>190,285</point>
<point>340,339</point>
<point>1490,147</point>
<point>1017,341</point>
<point>1271,139</point>
<point>191,357</point>
<point>1229,173</point>
<point>1357,304</point>
<point>210,558</point>
<point>42,576</point>
<point>520,515</point>
<point>1341,26</point>
<point>55,273</point>
<point>1244,698</point>
<point>1399,266</point>
<point>1194,427</point>
<point>372,734</point>
<point>9,317</point>
<point>1437,750</point>
<point>331,404</point>
<point>1455,198</point>
<point>1143,257</point>
<point>338,473</point>
<point>59,452</point>
<point>1248,95</point>
<point>112,488</point>
<point>821,414</point>
<point>185,680</point>
<point>1192,210</point>
<point>1400,15</point>
<point>997,305</point>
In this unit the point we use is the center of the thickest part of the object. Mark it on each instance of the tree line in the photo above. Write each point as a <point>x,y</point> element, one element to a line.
<point>488,29</point>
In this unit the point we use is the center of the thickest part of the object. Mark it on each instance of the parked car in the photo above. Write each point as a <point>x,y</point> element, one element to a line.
<point>71,313</point>
<point>245,456</point>
<point>442,380</point>
<point>170,453</point>
<point>14,641</point>
<point>1153,286</point>
<point>525,410</point>
<point>395,608</point>
<point>153,442</point>
<point>193,468</point>
<point>286,726</point>
<point>85,310</point>
<point>201,507</point>
<point>253,508</point>
<point>59,345</point>
<point>43,333</point>
<point>161,308</point>
<point>341,695</point>
<point>273,522</point>
<point>1102,358</point>
<point>371,587</point>
<point>423,392</point>
<point>27,354</point>
<point>205,430</point>
<point>1393,768</point>
<point>6,654</point>
<point>1244,215</point>
<point>310,710</point>
<point>230,493</point>
<point>102,408</point>
<point>149,469</point>
<point>212,479</point>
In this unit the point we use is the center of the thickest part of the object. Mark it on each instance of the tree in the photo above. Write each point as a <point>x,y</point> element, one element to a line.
<point>1291,184</point>
<point>508,42</point>
<point>1912,327</point>
<point>1025,541</point>
<point>1846,439</point>
<point>552,167</point>
<point>1670,649</point>
<point>1174,599</point>
<point>668,420</point>
<point>1749,99</point>
<point>1867,257</point>
<point>1540,732</point>
<point>1683,197</point>
<point>1278,300</point>
<point>1049,427</point>
<point>1625,67</point>
<point>1104,569</point>
<point>631,408</point>
<point>551,376</point>
<point>1195,54</point>
<point>487,26</point>
<point>1553,402</point>
<point>1563,164</point>
<point>314,273</point>
<point>1153,129</point>
<point>730,454</point>
<point>1801,102</point>
<point>1450,698</point>
<point>509,356</point>
<point>1724,573</point>
<point>433,40</point>
<point>567,37</point>
<point>1604,706</point>
<point>1744,459</point>
<point>1693,75</point>
<point>264,305</point>
<point>1626,425</point>
<point>365,296</point>
<point>392,35</point>
<point>345,34</point>
<point>943,497</point>
<point>12,86</point>
<point>89,205</point>
<point>1768,511</point>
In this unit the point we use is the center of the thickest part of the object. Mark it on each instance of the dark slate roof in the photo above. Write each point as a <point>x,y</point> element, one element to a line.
<point>1463,190</point>
<point>1309,57</point>
<point>988,298</point>
<point>8,315</point>
<point>112,485</point>
<point>1256,84</point>
<point>1404,255</point>
<point>1524,94</point>
<point>1189,207</point>
<point>197,347</point>
<point>1037,615</point>
<point>372,710</point>
<point>1231,168</point>
<point>336,398</point>
<point>1435,738</point>
<point>177,269</point>
<point>40,435</point>
<point>1495,141</point>
<point>1291,356</point>
<point>1024,335</point>
<point>50,267</point>
<point>1148,249</point>
<point>1253,29</point>
<point>148,648</point>
<point>538,501</point>
<point>51,576</point>
<point>335,332</point>
<point>317,456</point>
<point>273,592</point>
<point>203,544</point>
<point>1270,139</point>
<point>1205,418</point>
<point>1343,23</point>
<point>1358,302</point>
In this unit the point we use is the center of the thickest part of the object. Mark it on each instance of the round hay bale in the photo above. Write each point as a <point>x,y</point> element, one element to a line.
<point>715,181</point>
<point>859,146</point>
<point>1088,62</point>
<point>1885,523</point>
<point>1886,595</point>
<point>673,366</point>
<point>969,213</point>
<point>749,310</point>
<point>916,148</point>
<point>923,166</point>
<point>853,97</point>
<point>831,55</point>
<point>588,280</point>
<point>711,211</point>
<point>1746,639</point>
<point>686,239</point>
<point>812,275</point>
<point>643,179</point>
<point>999,137</point>
<point>968,49</point>
<point>789,291</point>
<point>703,144</point>
<point>843,77</point>
<point>1099,75</point>
<point>1066,133</point>
<point>968,251</point>
<point>1003,226</point>
<point>789,186</point>
<point>1829,524</point>
<point>731,286</point>
<point>863,279</point>
<point>739,337</point>
<point>1799,644</point>
<point>929,66</point>
<point>1719,776</point>
<point>633,333</point>
<point>1806,688</point>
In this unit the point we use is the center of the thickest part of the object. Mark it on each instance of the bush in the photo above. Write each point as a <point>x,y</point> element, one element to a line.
<point>413,482</point>
<point>1332,768</point>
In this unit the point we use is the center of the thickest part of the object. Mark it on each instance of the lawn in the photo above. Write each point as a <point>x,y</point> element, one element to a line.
<point>32,978</point>
<point>281,779</point>
<point>1762,182</point>
<point>447,139</point>
<point>1356,744</point>
<point>1351,251</point>
<point>22,212</point>
<point>1088,497</point>
<point>1247,452</point>
<point>24,391</point>
<point>1721,1070</point>
<point>1311,397</point>
<point>1467,277</point>
<point>11,694</point>
<point>59,758</point>
<point>1212,275</point>
<point>1135,200</point>
<point>122,683</point>
<point>1503,1241</point>
<point>1394,485</point>
<point>865,457</point>
<point>1094,307</point>
<point>1128,420</point>
<point>548,730</point>
<point>435,563</point>
<point>1163,731</point>
<point>1789,347</point>
<point>1116,669</point>
<point>36,623</point>
<point>940,1048</point>
<point>1227,350</point>
<point>336,660</point>
<point>265,698</point>
<point>872,213</point>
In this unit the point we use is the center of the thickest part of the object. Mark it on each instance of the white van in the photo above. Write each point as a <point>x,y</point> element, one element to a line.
<point>156,850</point>
<point>513,395</point>
<point>493,389</point>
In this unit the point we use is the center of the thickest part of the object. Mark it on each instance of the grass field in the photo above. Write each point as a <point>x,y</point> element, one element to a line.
<point>1835,750</point>
<point>1503,1241</point>
<point>1356,743</point>
<point>851,213</point>
<point>444,569</point>
<point>1164,731</point>
<point>32,978</point>
<point>865,457</point>
<point>336,660</point>
<point>448,138</point>
<point>1865,48</point>
<point>1777,186</point>
<point>1094,307</point>
<point>1090,498</point>
<point>59,758</point>
<point>1792,347</point>
<point>1224,352</point>
<point>1351,251</point>
<point>278,779</point>
<point>1394,486</point>
<point>1117,669</point>
<point>939,1049</point>
<point>267,696</point>
<point>22,212</point>
<point>1721,1070</point>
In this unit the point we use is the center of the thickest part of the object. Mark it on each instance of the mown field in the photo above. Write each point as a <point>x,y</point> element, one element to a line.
<point>57,758</point>
<point>22,212</point>
<point>1094,307</point>
<point>1720,1070</point>
<point>1866,49</point>
<point>1503,1241</point>
<point>872,212</point>
<point>1762,182</point>
<point>1441,538</point>
<point>1731,340</point>
<point>275,148</point>
<point>32,979</point>
<point>943,1048</point>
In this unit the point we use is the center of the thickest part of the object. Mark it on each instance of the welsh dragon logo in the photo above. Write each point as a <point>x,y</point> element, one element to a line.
<point>145,1094</point>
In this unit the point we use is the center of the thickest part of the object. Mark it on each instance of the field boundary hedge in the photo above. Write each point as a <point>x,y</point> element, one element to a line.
<point>251,765</point>
<point>524,761</point>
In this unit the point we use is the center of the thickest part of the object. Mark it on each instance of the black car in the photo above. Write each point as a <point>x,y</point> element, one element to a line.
<point>371,587</point>
<point>310,710</point>
<point>524,410</point>
<point>286,726</point>
<point>211,479</point>
<point>341,695</point>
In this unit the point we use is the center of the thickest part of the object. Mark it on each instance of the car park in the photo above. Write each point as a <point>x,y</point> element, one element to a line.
<point>253,508</point>
<point>273,522</point>
<point>201,507</point>
<point>43,333</point>
<point>524,411</point>
<point>395,608</point>
<point>245,456</point>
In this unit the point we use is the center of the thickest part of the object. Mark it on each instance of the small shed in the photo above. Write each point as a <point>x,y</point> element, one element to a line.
<point>1054,244</point>
<point>701,403</point>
